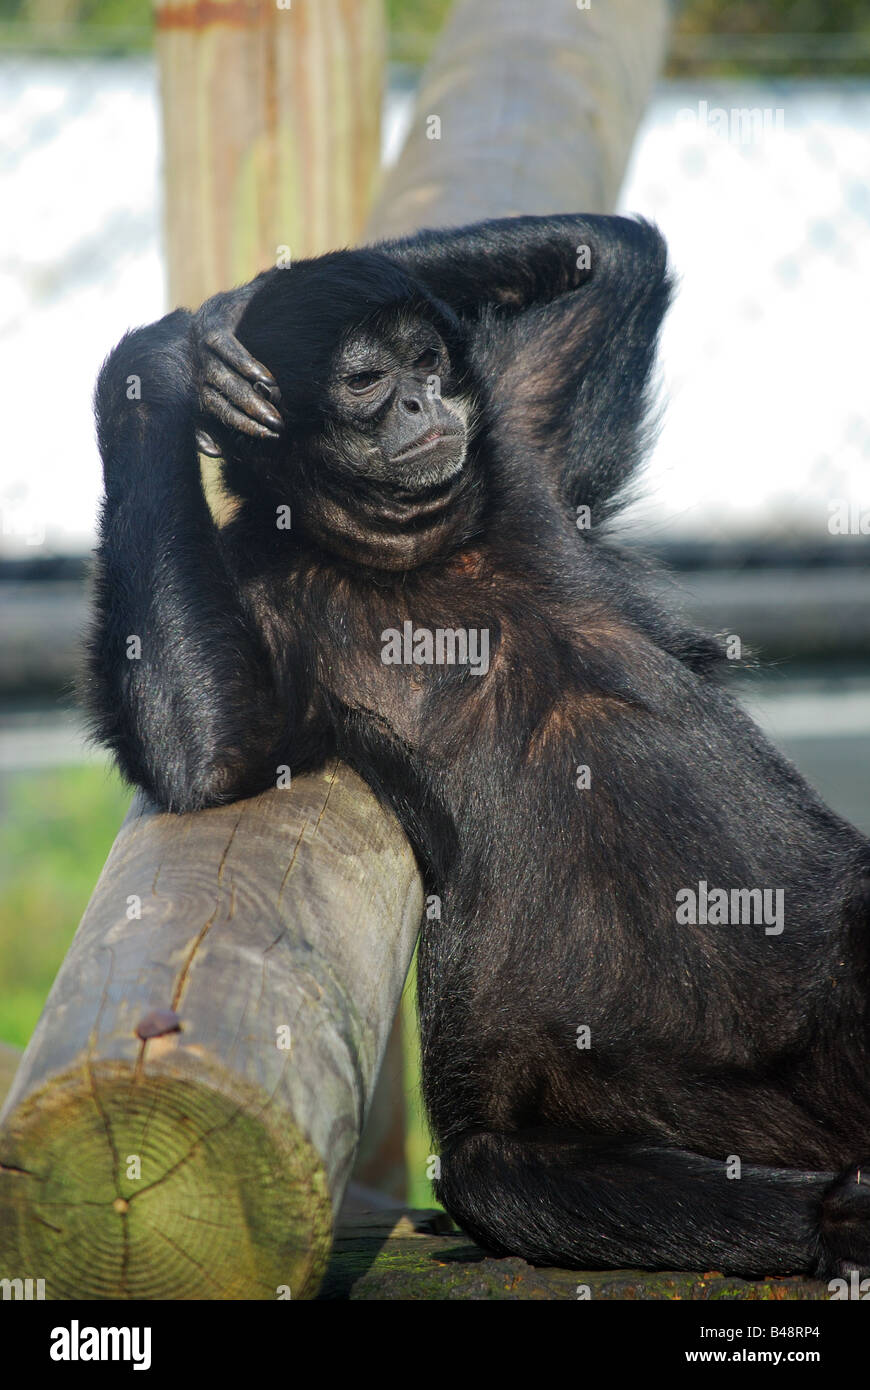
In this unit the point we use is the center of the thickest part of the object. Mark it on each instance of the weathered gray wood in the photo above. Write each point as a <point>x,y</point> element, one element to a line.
<point>538,103</point>
<point>293,910</point>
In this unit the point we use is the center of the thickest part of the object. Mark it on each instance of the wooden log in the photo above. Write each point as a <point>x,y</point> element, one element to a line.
<point>525,108</point>
<point>188,1109</point>
<point>271,132</point>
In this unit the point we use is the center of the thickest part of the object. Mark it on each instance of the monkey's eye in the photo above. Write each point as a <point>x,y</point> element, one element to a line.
<point>361,382</point>
<point>428,359</point>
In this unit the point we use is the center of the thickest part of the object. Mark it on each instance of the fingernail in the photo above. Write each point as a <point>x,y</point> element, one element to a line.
<point>206,445</point>
<point>268,390</point>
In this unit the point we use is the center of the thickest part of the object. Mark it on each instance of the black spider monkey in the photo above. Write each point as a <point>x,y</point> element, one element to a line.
<point>615,1077</point>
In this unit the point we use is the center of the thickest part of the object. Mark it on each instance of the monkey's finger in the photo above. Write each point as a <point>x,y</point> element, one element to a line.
<point>215,404</point>
<point>227,346</point>
<point>240,393</point>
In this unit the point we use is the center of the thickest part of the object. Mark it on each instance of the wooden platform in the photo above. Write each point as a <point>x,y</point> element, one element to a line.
<point>419,1256</point>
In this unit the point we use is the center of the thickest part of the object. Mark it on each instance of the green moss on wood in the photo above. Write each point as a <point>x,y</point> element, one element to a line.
<point>225,1207</point>
<point>372,1264</point>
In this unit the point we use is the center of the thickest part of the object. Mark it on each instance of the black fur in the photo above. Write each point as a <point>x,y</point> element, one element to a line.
<point>261,647</point>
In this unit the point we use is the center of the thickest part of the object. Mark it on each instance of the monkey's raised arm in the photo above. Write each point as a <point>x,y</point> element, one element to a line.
<point>177,684</point>
<point>517,261</point>
<point>569,373</point>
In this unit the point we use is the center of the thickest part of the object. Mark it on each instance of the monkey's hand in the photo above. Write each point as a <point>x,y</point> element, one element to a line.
<point>234,388</point>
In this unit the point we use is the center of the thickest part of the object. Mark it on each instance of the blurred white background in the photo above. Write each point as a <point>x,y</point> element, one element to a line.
<point>764,358</point>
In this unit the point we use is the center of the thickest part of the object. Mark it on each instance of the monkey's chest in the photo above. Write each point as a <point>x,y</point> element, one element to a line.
<point>463,656</point>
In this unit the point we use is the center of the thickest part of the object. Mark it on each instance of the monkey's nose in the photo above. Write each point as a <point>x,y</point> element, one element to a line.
<point>412,404</point>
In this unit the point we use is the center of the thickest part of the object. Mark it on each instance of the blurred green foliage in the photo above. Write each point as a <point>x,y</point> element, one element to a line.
<point>56,828</point>
<point>773,16</point>
<point>414,25</point>
<point>711,36</point>
<point>781,37</point>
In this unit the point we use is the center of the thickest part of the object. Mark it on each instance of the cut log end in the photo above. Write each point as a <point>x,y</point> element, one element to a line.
<point>160,1187</point>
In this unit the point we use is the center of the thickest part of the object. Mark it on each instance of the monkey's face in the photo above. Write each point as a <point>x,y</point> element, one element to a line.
<point>395,414</point>
<point>377,456</point>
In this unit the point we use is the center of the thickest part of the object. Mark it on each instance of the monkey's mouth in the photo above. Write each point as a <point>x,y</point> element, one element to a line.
<point>403,515</point>
<point>429,461</point>
<point>426,445</point>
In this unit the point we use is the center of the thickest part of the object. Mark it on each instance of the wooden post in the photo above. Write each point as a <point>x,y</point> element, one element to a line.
<point>271,132</point>
<point>160,1140</point>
